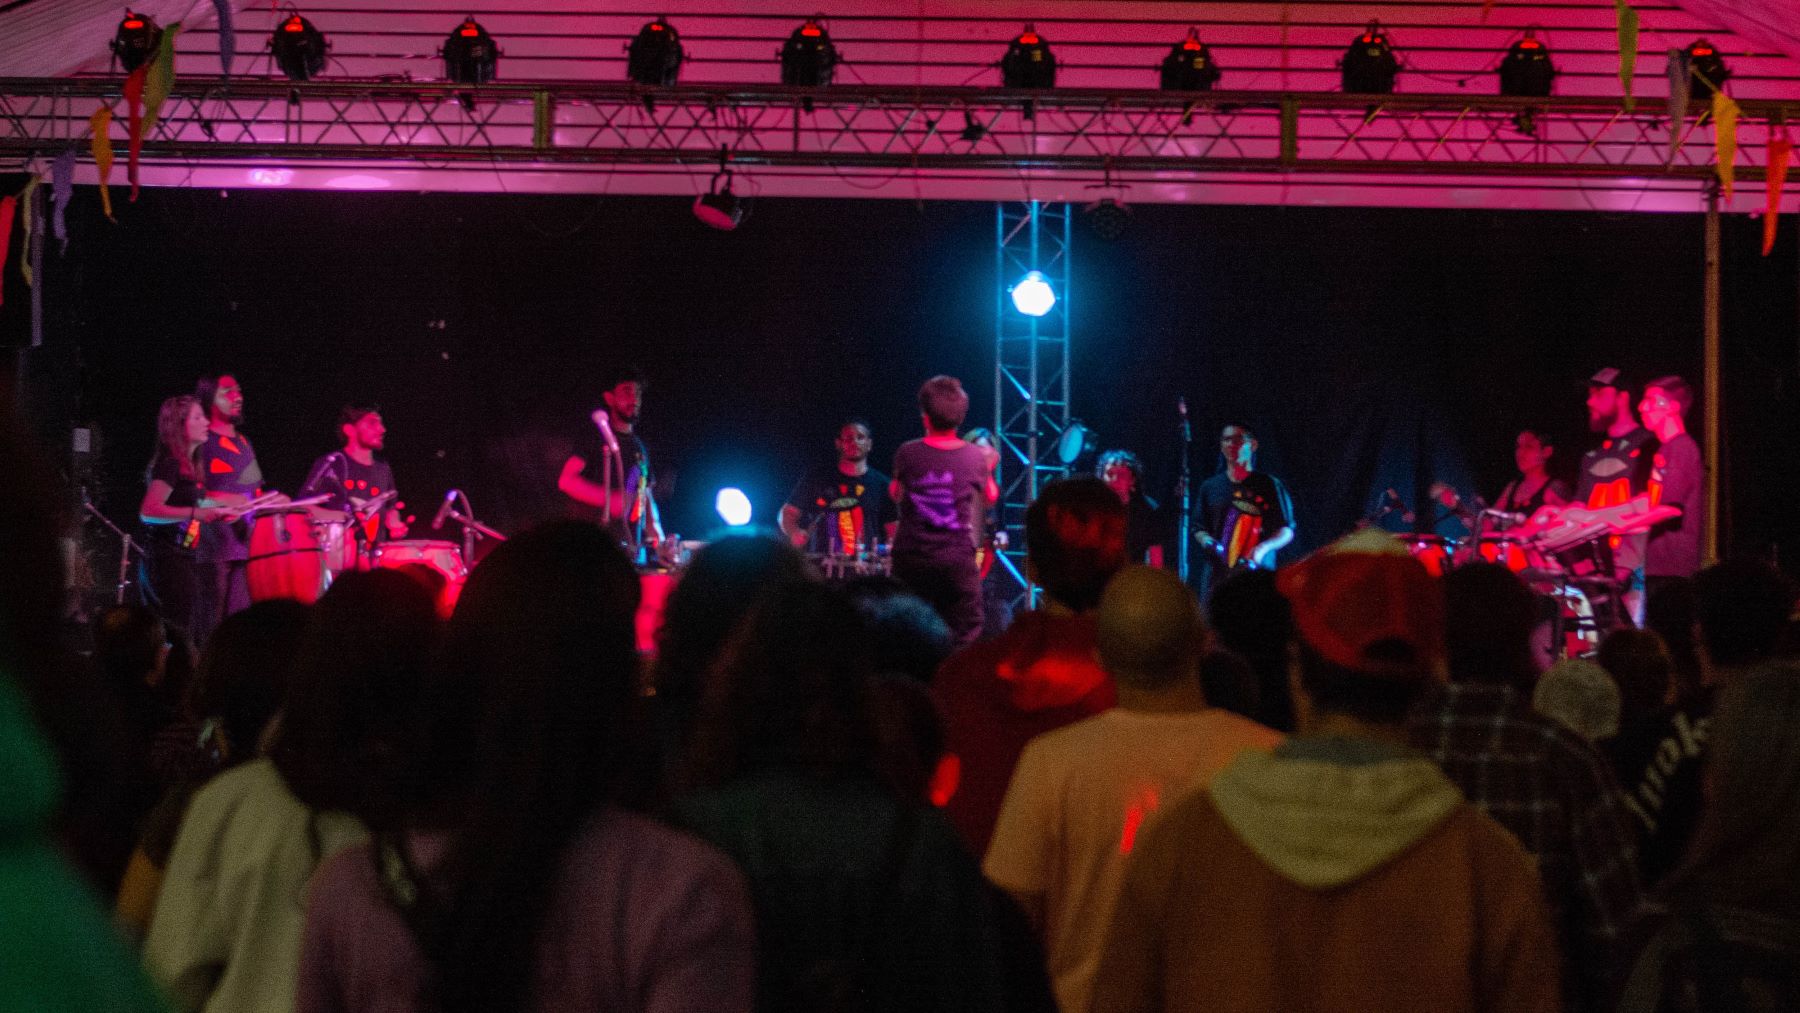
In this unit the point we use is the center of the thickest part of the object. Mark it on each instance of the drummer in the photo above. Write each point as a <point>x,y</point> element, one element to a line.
<point>842,509</point>
<point>230,476</point>
<point>355,479</point>
<point>1532,490</point>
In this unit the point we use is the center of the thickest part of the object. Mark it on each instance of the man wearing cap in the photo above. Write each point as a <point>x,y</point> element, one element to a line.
<point>1341,871</point>
<point>1617,471</point>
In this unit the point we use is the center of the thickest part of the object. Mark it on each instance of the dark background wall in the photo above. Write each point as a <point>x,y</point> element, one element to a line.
<point>1359,344</point>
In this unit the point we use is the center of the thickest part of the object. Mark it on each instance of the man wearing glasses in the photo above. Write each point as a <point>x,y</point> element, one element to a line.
<point>1245,516</point>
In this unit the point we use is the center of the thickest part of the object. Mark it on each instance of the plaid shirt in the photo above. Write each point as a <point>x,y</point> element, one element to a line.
<point>1556,794</point>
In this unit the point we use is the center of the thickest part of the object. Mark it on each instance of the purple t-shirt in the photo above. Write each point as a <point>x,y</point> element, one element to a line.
<point>644,918</point>
<point>943,495</point>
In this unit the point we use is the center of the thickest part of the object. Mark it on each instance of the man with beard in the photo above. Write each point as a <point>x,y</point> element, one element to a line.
<point>1615,472</point>
<point>844,508</point>
<point>231,476</point>
<point>353,477</point>
<point>615,493</point>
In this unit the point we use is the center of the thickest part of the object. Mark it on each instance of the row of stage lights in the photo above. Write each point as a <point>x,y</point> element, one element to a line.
<point>809,59</point>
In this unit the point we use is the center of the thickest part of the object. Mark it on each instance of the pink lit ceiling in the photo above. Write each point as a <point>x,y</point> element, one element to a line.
<point>1446,47</point>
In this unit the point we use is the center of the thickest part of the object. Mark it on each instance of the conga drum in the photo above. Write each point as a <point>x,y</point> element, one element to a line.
<point>286,560</point>
<point>441,561</point>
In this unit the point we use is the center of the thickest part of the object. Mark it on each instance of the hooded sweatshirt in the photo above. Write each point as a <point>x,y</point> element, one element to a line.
<point>997,695</point>
<point>1331,874</point>
<point>57,950</point>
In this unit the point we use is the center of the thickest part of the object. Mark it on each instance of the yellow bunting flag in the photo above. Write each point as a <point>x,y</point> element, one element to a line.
<point>1628,47</point>
<point>27,201</point>
<point>162,77</point>
<point>1781,151</point>
<point>101,142</point>
<point>1725,117</point>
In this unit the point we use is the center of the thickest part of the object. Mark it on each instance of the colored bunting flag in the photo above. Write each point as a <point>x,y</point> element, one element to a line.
<point>101,142</point>
<point>1681,87</point>
<point>1725,117</point>
<point>227,37</point>
<point>27,226</point>
<point>1781,152</point>
<point>7,204</point>
<point>1628,47</point>
<point>134,123</point>
<point>162,77</point>
<point>62,187</point>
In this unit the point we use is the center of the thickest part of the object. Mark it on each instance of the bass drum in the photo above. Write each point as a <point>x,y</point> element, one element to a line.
<point>438,564</point>
<point>286,560</point>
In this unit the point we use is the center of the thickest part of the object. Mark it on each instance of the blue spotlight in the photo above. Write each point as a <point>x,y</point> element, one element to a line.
<point>1033,295</point>
<point>733,506</point>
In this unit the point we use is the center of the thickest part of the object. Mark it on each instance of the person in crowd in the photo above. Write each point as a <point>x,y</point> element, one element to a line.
<point>1724,933</point>
<point>1741,607</point>
<point>1581,696</point>
<point>1082,793</point>
<point>1041,673</point>
<point>504,875</point>
<point>1673,613</point>
<point>714,593</point>
<point>864,898</point>
<point>243,676</point>
<point>1145,536</point>
<point>1342,871</point>
<point>173,509</point>
<point>906,636</point>
<point>1229,682</point>
<point>133,649</point>
<point>1253,621</point>
<point>56,950</point>
<point>1640,664</point>
<point>1535,777</point>
<point>225,934</point>
<point>944,487</point>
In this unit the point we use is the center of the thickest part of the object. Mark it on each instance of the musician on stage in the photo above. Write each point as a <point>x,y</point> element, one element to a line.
<point>1245,515</point>
<point>1678,480</point>
<point>230,476</point>
<point>1123,473</point>
<point>843,508</point>
<point>618,497</point>
<point>1615,472</point>
<point>943,487</point>
<point>174,509</point>
<point>354,477</point>
<point>1523,496</point>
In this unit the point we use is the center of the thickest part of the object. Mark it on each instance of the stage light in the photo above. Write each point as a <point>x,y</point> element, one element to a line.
<point>1076,442</point>
<point>1108,217</point>
<point>1526,71</point>
<point>1369,64</point>
<point>1707,64</point>
<point>470,55</point>
<point>654,56</point>
<point>1189,66</point>
<point>299,48</point>
<point>808,58</point>
<point>1033,295</point>
<point>733,506</point>
<point>1028,62</point>
<point>136,40</point>
<point>719,207</point>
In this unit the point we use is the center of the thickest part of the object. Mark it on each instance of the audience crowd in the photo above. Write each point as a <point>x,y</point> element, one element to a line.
<point>1343,786</point>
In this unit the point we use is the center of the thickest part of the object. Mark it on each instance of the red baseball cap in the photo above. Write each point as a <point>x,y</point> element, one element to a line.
<point>1364,590</point>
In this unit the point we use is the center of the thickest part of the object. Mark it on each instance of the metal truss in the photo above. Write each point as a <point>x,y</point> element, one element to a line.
<point>1031,367</point>
<point>1142,134</point>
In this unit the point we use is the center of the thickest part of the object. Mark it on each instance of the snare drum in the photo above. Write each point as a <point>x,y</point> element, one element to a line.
<point>1431,550</point>
<point>441,558</point>
<point>285,558</point>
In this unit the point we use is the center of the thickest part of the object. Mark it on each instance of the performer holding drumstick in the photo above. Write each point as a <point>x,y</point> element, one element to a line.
<point>230,476</point>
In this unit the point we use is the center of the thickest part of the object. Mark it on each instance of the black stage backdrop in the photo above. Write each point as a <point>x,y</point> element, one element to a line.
<point>1367,348</point>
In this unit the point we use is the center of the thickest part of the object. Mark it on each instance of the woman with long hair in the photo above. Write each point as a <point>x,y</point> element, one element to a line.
<point>1726,933</point>
<point>516,880</point>
<point>173,508</point>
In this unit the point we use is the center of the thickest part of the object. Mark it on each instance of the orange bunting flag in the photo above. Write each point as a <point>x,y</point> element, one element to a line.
<point>100,141</point>
<point>1725,117</point>
<point>27,226</point>
<point>1781,151</point>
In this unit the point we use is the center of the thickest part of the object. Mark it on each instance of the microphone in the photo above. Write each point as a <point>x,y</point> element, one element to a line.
<point>444,509</point>
<point>318,471</point>
<point>604,422</point>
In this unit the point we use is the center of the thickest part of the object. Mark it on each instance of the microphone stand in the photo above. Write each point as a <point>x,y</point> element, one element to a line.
<point>472,529</point>
<point>1187,494</point>
<point>126,547</point>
